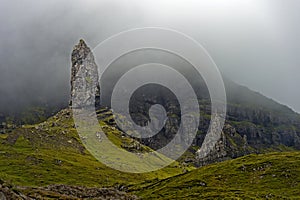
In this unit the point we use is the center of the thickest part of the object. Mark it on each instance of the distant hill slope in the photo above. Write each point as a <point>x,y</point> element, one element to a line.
<point>244,99</point>
<point>254,123</point>
<point>266,176</point>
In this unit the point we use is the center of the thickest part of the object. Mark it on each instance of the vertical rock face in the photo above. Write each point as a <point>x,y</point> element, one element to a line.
<point>85,89</point>
<point>230,145</point>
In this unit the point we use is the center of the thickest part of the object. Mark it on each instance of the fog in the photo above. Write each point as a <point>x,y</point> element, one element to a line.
<point>255,43</point>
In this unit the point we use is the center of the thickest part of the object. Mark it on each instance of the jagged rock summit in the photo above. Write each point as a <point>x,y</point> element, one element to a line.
<point>85,89</point>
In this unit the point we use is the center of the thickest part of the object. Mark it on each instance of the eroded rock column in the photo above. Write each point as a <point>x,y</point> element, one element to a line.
<point>85,89</point>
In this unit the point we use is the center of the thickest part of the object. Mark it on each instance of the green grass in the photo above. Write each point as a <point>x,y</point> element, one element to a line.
<point>52,153</point>
<point>274,175</point>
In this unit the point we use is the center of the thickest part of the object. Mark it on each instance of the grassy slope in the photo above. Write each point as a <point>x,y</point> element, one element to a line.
<point>274,175</point>
<point>52,153</point>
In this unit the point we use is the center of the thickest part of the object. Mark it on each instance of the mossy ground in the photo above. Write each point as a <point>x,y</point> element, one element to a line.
<point>273,176</point>
<point>52,153</point>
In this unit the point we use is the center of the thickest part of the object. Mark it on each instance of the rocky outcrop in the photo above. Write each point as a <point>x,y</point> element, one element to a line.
<point>85,89</point>
<point>8,192</point>
<point>265,128</point>
<point>230,145</point>
<point>247,129</point>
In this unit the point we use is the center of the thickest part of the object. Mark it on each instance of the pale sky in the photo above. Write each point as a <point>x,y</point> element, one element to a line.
<point>254,42</point>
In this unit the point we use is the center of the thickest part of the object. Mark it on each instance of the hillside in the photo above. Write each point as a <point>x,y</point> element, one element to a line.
<point>267,176</point>
<point>52,153</point>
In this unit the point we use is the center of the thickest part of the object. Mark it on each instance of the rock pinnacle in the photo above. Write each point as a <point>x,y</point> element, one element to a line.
<point>85,89</point>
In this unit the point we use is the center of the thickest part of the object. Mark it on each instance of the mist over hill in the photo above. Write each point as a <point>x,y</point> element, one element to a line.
<point>253,43</point>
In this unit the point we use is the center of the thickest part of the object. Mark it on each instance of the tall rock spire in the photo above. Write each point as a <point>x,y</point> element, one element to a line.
<point>85,89</point>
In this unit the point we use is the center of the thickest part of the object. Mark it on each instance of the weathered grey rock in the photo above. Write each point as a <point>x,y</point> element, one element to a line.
<point>85,89</point>
<point>2,196</point>
<point>9,192</point>
<point>230,145</point>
